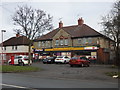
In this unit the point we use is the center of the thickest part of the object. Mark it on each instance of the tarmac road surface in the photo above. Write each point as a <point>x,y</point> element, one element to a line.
<point>12,80</point>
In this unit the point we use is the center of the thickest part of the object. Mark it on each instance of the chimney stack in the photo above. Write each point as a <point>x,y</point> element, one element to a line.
<point>80,21</point>
<point>60,24</point>
<point>17,35</point>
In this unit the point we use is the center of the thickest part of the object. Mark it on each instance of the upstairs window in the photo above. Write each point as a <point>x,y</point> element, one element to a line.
<point>43,43</point>
<point>12,47</point>
<point>89,40</point>
<point>39,44</point>
<point>66,41</point>
<point>15,47</point>
<point>79,40</point>
<point>57,42</point>
<point>4,48</point>
<point>61,42</point>
<point>46,43</point>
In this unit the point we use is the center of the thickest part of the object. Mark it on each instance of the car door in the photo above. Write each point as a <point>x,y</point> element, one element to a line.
<point>16,60</point>
<point>67,59</point>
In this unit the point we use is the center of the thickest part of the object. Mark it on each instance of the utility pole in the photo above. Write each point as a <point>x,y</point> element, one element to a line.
<point>2,31</point>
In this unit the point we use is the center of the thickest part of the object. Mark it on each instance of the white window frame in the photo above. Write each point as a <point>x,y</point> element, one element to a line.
<point>79,40</point>
<point>16,47</point>
<point>39,44</point>
<point>61,41</point>
<point>13,47</point>
<point>66,41</point>
<point>57,42</point>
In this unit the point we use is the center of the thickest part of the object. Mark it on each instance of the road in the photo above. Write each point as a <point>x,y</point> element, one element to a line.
<point>60,76</point>
<point>26,81</point>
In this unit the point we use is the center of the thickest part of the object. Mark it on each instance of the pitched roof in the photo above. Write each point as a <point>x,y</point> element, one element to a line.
<point>81,31</point>
<point>22,40</point>
<point>75,31</point>
<point>49,35</point>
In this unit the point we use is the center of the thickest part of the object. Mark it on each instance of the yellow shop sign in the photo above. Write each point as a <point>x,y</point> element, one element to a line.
<point>65,49</point>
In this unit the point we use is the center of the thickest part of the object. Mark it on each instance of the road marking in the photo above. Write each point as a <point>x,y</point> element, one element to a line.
<point>13,86</point>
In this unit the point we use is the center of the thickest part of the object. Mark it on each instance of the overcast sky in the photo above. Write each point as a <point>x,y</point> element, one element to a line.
<point>69,10</point>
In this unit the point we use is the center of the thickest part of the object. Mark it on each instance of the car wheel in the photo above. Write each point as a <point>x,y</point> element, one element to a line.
<point>65,62</point>
<point>9,63</point>
<point>21,64</point>
<point>44,63</point>
<point>88,65</point>
<point>71,65</point>
<point>82,65</point>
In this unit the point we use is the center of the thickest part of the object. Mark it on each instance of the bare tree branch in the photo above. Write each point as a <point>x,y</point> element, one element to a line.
<point>33,22</point>
<point>111,27</point>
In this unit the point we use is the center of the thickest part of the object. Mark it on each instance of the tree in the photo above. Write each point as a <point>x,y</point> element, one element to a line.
<point>111,28</point>
<point>33,23</point>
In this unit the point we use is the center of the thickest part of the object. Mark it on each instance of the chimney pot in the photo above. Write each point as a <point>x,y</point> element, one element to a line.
<point>17,35</point>
<point>80,21</point>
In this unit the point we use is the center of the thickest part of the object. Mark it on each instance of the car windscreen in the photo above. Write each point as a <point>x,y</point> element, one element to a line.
<point>60,57</point>
<point>26,58</point>
<point>84,58</point>
<point>50,57</point>
<point>18,57</point>
<point>74,58</point>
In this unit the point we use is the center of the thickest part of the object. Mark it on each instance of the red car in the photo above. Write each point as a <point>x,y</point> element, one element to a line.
<point>79,61</point>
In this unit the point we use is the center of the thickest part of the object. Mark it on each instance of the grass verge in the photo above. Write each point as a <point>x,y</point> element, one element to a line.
<point>114,66</point>
<point>113,73</point>
<point>14,69</point>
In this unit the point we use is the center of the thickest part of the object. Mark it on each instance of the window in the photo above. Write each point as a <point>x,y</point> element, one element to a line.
<point>43,43</point>
<point>15,47</point>
<point>79,40</point>
<point>46,43</point>
<point>66,57</point>
<point>39,44</point>
<point>12,47</point>
<point>57,42</point>
<point>89,40</point>
<point>4,48</point>
<point>85,41</point>
<point>74,58</point>
<point>61,42</point>
<point>66,41</point>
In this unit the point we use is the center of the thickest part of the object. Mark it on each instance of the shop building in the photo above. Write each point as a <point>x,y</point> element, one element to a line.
<point>73,40</point>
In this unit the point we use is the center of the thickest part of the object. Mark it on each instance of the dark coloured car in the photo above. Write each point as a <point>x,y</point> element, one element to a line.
<point>49,60</point>
<point>92,59</point>
<point>79,61</point>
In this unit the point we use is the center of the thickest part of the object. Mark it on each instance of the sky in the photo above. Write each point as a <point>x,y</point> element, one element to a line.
<point>68,10</point>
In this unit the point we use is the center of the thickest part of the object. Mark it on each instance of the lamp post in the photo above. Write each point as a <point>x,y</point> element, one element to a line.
<point>2,31</point>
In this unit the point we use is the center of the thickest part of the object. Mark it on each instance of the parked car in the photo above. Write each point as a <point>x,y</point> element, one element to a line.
<point>92,59</point>
<point>20,60</point>
<point>62,59</point>
<point>49,60</point>
<point>79,61</point>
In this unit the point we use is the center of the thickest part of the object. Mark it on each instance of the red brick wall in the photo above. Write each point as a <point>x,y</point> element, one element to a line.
<point>103,57</point>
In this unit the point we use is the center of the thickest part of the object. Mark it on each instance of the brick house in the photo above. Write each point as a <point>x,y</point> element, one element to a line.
<point>14,46</point>
<point>73,40</point>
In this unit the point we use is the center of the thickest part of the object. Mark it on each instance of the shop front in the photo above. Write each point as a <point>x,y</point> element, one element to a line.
<point>90,51</point>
